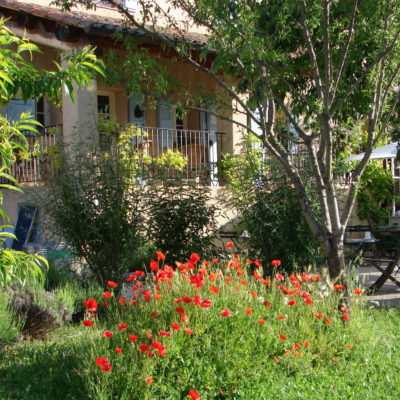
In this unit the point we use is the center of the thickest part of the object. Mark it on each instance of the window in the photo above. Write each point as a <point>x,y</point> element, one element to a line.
<point>130,5</point>
<point>35,108</point>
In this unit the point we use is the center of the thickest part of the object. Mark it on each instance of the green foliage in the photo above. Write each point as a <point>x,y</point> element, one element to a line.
<point>376,194</point>
<point>19,77</point>
<point>10,325</point>
<point>270,209</point>
<point>99,212</point>
<point>182,219</point>
<point>277,228</point>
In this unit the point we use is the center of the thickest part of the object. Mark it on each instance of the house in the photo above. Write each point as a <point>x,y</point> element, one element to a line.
<point>197,135</point>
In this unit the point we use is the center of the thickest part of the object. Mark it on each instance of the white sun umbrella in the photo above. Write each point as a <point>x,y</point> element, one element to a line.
<point>387,151</point>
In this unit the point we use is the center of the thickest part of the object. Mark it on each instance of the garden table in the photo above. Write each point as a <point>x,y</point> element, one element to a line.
<point>380,250</point>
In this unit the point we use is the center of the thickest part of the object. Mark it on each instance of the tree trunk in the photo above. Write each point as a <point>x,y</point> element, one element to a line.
<point>333,250</point>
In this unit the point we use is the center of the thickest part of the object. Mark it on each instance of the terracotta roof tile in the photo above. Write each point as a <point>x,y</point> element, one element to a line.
<point>84,20</point>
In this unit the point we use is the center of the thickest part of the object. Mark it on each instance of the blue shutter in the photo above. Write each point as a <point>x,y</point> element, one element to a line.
<point>165,116</point>
<point>17,107</point>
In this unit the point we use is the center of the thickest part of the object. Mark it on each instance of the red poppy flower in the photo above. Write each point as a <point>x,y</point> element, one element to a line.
<point>105,304</point>
<point>194,258</point>
<point>320,316</point>
<point>267,304</point>
<point>175,326</point>
<point>280,316</point>
<point>249,311</point>
<point>215,260</point>
<point>179,310</point>
<point>122,326</point>
<point>262,321</point>
<point>345,317</point>
<point>276,263</point>
<point>257,263</point>
<point>229,245</point>
<point>305,294</point>
<point>205,303</point>
<point>134,338</point>
<point>154,314</point>
<point>112,284</point>
<point>252,294</point>
<point>154,265</point>
<point>188,331</point>
<point>107,295</point>
<point>359,292</point>
<point>229,279</point>
<point>243,282</point>
<point>86,322</point>
<point>91,305</point>
<point>282,336</point>
<point>350,346</point>
<point>157,345</point>
<point>160,255</point>
<point>149,380</point>
<point>148,335</point>
<point>308,301</point>
<point>102,361</point>
<point>226,313</point>
<point>279,277</point>
<point>118,350</point>
<point>266,282</point>
<point>318,277</point>
<point>328,321</point>
<point>131,278</point>
<point>107,334</point>
<point>164,333</point>
<point>296,346</point>
<point>305,343</point>
<point>194,395</point>
<point>143,348</point>
<point>122,301</point>
<point>338,287</point>
<point>106,368</point>
<point>187,300</point>
<point>344,309</point>
<point>184,318</point>
<point>214,289</point>
<point>292,302</point>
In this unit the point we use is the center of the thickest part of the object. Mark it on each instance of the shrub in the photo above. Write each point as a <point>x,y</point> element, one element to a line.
<point>182,219</point>
<point>376,194</point>
<point>269,209</point>
<point>99,212</point>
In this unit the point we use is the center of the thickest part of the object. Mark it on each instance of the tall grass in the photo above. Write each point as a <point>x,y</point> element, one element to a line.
<point>10,325</point>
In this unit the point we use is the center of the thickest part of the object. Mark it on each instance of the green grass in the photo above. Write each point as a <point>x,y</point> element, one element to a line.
<point>54,370</point>
<point>225,358</point>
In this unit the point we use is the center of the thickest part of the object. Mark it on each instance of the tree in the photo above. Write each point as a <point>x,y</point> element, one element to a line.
<point>19,77</point>
<point>325,66</point>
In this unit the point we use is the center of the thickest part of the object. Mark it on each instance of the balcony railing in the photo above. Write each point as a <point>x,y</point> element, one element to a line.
<point>42,148</point>
<point>202,150</point>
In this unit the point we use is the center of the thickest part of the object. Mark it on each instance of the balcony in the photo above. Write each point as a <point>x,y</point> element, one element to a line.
<point>202,150</point>
<point>42,147</point>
